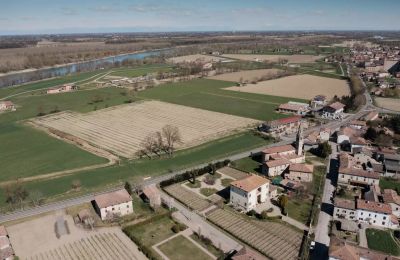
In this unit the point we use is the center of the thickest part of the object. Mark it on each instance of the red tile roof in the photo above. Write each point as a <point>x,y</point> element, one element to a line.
<point>250,182</point>
<point>345,204</point>
<point>374,206</point>
<point>284,121</point>
<point>301,167</point>
<point>337,105</point>
<point>279,162</point>
<point>112,198</point>
<point>390,196</point>
<point>359,172</point>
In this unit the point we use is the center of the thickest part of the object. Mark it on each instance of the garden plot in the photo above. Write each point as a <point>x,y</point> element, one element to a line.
<point>298,86</point>
<point>37,239</point>
<point>122,129</point>
<point>187,197</point>
<point>246,75</point>
<point>275,58</point>
<point>275,240</point>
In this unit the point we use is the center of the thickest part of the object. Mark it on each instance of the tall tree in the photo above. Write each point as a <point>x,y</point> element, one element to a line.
<point>172,136</point>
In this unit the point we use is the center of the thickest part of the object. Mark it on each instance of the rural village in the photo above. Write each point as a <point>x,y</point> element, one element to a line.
<point>208,153</point>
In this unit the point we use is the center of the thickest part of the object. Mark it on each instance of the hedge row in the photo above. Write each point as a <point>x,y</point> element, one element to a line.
<point>196,172</point>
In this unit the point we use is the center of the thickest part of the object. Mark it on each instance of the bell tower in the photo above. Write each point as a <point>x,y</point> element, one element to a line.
<point>300,140</point>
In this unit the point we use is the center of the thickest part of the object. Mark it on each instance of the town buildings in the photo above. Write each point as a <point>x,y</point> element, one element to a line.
<point>391,197</point>
<point>282,126</point>
<point>113,204</point>
<point>247,193</point>
<point>300,172</point>
<point>294,108</point>
<point>333,111</point>
<point>62,89</point>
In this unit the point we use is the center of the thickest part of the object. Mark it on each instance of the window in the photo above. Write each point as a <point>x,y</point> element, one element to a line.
<point>383,223</point>
<point>384,218</point>
<point>369,215</point>
<point>374,221</point>
<point>127,206</point>
<point>112,209</point>
<point>362,213</point>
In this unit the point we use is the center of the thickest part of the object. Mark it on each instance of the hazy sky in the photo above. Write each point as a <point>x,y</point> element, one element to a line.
<point>59,16</point>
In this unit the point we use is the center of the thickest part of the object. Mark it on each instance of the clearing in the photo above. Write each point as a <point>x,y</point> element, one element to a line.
<point>246,75</point>
<point>37,239</point>
<point>298,86</point>
<point>122,129</point>
<point>388,103</point>
<point>275,58</point>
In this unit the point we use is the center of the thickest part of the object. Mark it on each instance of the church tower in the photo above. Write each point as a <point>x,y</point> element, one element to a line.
<point>300,140</point>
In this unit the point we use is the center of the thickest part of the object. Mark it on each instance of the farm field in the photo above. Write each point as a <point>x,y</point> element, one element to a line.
<point>246,75</point>
<point>196,57</point>
<point>136,170</point>
<point>298,86</point>
<point>37,239</point>
<point>187,197</point>
<point>27,152</point>
<point>210,95</point>
<point>141,71</point>
<point>180,248</point>
<point>274,240</point>
<point>388,103</point>
<point>275,58</point>
<point>122,129</point>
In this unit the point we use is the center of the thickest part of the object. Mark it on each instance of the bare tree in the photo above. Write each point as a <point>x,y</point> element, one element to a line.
<point>15,193</point>
<point>172,136</point>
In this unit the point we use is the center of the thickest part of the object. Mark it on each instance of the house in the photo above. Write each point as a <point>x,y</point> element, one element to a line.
<point>333,111</point>
<point>281,151</point>
<point>300,172</point>
<point>357,143</point>
<point>113,204</point>
<point>343,250</point>
<point>345,133</point>
<point>282,126</point>
<point>371,212</point>
<point>392,66</point>
<point>318,101</point>
<point>391,164</point>
<point>152,195</point>
<point>294,108</point>
<point>246,193</point>
<point>7,106</point>
<point>62,89</point>
<point>276,167</point>
<point>358,124</point>
<point>6,250</point>
<point>317,137</point>
<point>290,185</point>
<point>391,197</point>
<point>357,177</point>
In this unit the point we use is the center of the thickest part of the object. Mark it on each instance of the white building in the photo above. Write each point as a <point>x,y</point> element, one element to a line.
<point>246,193</point>
<point>333,111</point>
<point>356,177</point>
<point>62,89</point>
<point>113,204</point>
<point>362,211</point>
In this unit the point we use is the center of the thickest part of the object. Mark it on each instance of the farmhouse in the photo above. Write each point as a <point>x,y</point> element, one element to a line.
<point>333,111</point>
<point>61,89</point>
<point>152,195</point>
<point>300,172</point>
<point>282,150</point>
<point>294,108</point>
<point>282,126</point>
<point>316,137</point>
<point>357,177</point>
<point>246,193</point>
<point>6,250</point>
<point>371,212</point>
<point>7,106</point>
<point>113,204</point>
<point>391,197</point>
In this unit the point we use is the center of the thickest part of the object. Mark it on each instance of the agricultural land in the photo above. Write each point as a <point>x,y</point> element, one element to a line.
<point>196,57</point>
<point>247,75</point>
<point>298,86</point>
<point>295,58</point>
<point>388,103</point>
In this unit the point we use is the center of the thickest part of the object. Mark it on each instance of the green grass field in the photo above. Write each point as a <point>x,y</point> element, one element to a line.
<point>142,71</point>
<point>179,248</point>
<point>138,169</point>
<point>28,152</point>
<point>210,95</point>
<point>382,240</point>
<point>389,183</point>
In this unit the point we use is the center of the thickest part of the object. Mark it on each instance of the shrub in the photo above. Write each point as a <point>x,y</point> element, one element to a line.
<point>175,228</point>
<point>210,180</point>
<point>264,214</point>
<point>251,213</point>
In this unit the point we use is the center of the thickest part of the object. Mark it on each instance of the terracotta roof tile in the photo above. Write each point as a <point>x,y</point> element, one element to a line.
<point>279,162</point>
<point>279,149</point>
<point>358,172</point>
<point>374,206</point>
<point>250,182</point>
<point>302,167</point>
<point>112,198</point>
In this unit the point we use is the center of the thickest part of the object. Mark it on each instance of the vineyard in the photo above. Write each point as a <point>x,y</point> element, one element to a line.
<point>99,246</point>
<point>122,129</point>
<point>190,199</point>
<point>273,239</point>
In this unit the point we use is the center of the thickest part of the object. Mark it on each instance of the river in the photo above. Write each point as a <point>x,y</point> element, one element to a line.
<point>22,77</point>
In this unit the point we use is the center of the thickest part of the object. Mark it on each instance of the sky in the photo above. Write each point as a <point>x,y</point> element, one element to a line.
<point>85,16</point>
